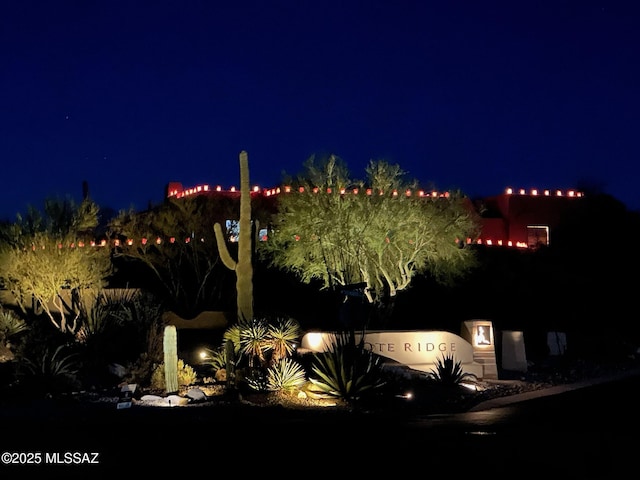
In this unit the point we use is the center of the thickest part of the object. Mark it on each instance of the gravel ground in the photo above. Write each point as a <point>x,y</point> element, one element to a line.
<point>426,398</point>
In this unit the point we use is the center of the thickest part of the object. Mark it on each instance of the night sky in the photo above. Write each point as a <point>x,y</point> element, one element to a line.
<point>470,95</point>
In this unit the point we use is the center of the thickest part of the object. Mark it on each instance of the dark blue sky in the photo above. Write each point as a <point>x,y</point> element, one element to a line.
<point>476,95</point>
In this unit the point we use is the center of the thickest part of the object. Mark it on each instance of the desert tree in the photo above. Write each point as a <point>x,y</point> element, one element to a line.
<point>49,260</point>
<point>377,233</point>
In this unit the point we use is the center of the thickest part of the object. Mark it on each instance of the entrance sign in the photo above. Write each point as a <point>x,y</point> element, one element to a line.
<point>417,349</point>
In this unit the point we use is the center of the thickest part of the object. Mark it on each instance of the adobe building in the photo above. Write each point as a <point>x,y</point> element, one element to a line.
<point>523,219</point>
<point>516,218</point>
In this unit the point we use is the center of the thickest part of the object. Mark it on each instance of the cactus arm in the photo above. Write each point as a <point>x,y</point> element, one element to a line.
<point>225,256</point>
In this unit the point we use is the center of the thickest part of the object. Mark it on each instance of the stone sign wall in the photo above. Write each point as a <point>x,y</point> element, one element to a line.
<point>417,349</point>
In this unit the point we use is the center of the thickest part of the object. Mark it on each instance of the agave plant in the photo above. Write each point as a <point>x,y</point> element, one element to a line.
<point>58,364</point>
<point>51,372</point>
<point>449,372</point>
<point>347,369</point>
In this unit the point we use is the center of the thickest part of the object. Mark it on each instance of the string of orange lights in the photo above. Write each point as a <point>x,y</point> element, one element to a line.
<point>203,189</point>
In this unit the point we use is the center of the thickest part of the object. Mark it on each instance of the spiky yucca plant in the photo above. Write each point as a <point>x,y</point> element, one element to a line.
<point>10,324</point>
<point>283,335</point>
<point>285,376</point>
<point>263,341</point>
<point>449,372</point>
<point>10,327</point>
<point>254,342</point>
<point>347,369</point>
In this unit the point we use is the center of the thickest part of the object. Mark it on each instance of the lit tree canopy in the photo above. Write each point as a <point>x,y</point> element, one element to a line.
<point>43,255</point>
<point>379,232</point>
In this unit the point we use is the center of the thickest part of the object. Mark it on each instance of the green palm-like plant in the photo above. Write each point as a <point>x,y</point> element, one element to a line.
<point>284,334</point>
<point>286,375</point>
<point>254,343</point>
<point>347,369</point>
<point>449,372</point>
<point>232,334</point>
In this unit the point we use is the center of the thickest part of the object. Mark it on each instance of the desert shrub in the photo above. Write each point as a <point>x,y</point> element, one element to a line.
<point>141,370</point>
<point>186,376</point>
<point>116,326</point>
<point>214,358</point>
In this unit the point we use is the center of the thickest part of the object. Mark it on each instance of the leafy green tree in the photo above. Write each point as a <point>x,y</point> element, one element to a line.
<point>45,254</point>
<point>378,233</point>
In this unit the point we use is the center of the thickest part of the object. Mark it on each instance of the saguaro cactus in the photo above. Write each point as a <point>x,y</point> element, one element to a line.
<point>243,266</point>
<point>170,359</point>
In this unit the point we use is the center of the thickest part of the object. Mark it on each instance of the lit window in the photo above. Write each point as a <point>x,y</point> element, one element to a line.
<point>233,230</point>
<point>537,235</point>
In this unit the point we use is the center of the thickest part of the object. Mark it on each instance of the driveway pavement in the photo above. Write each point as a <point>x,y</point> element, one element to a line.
<point>554,390</point>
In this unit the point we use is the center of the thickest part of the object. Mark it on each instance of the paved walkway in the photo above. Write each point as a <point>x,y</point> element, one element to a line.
<point>544,392</point>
